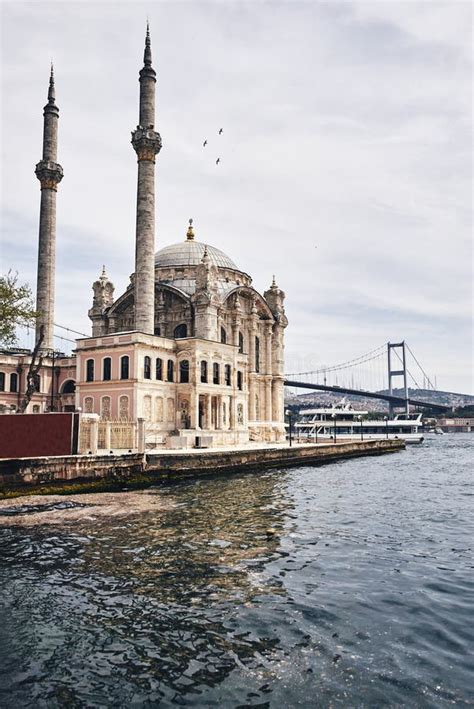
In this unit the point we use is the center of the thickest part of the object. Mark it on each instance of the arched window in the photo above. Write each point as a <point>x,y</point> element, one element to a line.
<point>90,370</point>
<point>181,331</point>
<point>107,369</point>
<point>257,354</point>
<point>123,408</point>
<point>170,410</point>
<point>124,367</point>
<point>240,381</point>
<point>223,336</point>
<point>159,368</point>
<point>159,409</point>
<point>2,381</point>
<point>215,373</point>
<point>241,343</point>
<point>227,375</point>
<point>13,382</point>
<point>184,371</point>
<point>88,405</point>
<point>170,370</point>
<point>69,387</point>
<point>147,408</point>
<point>105,405</point>
<point>147,368</point>
<point>203,372</point>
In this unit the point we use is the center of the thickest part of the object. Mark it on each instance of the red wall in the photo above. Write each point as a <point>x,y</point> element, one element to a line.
<point>30,435</point>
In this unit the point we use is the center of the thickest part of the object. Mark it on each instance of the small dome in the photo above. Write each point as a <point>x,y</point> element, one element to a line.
<point>190,253</point>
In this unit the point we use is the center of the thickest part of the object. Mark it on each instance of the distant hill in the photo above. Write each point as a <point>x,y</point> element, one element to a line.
<point>321,398</point>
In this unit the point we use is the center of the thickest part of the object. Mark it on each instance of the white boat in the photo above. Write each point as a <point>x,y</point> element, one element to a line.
<point>343,423</point>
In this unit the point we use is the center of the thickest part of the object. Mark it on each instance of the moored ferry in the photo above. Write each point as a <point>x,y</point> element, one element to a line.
<point>343,422</point>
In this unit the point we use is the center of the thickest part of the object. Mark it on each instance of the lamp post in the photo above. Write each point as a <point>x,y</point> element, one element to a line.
<point>334,416</point>
<point>53,355</point>
<point>288,413</point>
<point>359,418</point>
<point>385,418</point>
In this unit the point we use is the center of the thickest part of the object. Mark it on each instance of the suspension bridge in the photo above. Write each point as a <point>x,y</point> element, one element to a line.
<point>378,369</point>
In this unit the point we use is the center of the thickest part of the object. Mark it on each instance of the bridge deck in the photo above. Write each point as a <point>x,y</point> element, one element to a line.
<point>393,400</point>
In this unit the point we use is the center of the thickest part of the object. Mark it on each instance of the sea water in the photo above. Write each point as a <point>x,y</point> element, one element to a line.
<point>349,584</point>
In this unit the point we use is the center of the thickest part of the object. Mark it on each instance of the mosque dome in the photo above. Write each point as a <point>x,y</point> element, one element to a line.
<point>190,253</point>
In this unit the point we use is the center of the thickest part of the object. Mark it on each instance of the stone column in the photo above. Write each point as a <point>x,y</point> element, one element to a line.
<point>141,439</point>
<point>208,412</point>
<point>146,143</point>
<point>194,409</point>
<point>251,406</point>
<point>268,399</point>
<point>50,174</point>
<point>268,348</point>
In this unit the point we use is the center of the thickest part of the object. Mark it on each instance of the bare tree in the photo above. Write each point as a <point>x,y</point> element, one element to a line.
<point>33,377</point>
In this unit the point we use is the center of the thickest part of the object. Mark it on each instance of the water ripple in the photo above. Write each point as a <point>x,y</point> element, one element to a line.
<point>361,595</point>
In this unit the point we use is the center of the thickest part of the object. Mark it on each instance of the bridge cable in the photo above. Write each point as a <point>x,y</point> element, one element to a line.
<point>424,373</point>
<point>343,365</point>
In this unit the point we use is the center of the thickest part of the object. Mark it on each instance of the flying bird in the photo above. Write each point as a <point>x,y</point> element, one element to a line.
<point>220,131</point>
<point>204,144</point>
<point>218,161</point>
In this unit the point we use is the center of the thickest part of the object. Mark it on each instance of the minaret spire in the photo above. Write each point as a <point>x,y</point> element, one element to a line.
<point>147,54</point>
<point>51,90</point>
<point>50,174</point>
<point>147,143</point>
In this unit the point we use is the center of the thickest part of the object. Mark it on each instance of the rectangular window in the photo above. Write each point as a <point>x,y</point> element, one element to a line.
<point>13,382</point>
<point>90,370</point>
<point>240,381</point>
<point>215,373</point>
<point>170,370</point>
<point>147,368</point>
<point>107,367</point>
<point>2,381</point>
<point>203,372</point>
<point>124,367</point>
<point>159,368</point>
<point>257,354</point>
<point>228,375</point>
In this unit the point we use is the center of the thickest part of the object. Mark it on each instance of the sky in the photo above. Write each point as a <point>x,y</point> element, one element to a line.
<point>345,159</point>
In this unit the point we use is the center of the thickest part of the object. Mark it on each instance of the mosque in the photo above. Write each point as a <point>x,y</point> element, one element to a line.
<point>190,346</point>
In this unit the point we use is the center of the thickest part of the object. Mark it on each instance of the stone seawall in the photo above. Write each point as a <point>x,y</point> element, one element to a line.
<point>26,474</point>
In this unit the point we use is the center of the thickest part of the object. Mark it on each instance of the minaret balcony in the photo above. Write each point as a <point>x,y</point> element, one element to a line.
<point>49,174</point>
<point>146,143</point>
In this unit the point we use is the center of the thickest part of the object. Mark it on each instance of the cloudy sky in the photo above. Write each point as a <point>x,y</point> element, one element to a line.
<point>345,159</point>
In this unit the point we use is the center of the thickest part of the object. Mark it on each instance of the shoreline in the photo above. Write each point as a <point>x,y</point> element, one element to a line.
<point>81,473</point>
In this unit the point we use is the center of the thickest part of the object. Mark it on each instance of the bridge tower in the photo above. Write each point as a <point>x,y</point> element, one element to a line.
<point>392,347</point>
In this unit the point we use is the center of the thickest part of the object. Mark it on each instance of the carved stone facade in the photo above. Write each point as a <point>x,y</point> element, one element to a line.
<point>214,366</point>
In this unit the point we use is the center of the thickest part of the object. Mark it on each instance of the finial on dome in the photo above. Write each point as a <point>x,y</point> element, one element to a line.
<point>190,232</point>
<point>274,285</point>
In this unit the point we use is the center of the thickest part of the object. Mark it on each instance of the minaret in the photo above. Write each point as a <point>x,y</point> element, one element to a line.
<point>49,173</point>
<point>147,143</point>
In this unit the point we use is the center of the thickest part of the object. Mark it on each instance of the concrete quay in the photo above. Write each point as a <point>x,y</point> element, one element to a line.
<point>100,472</point>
